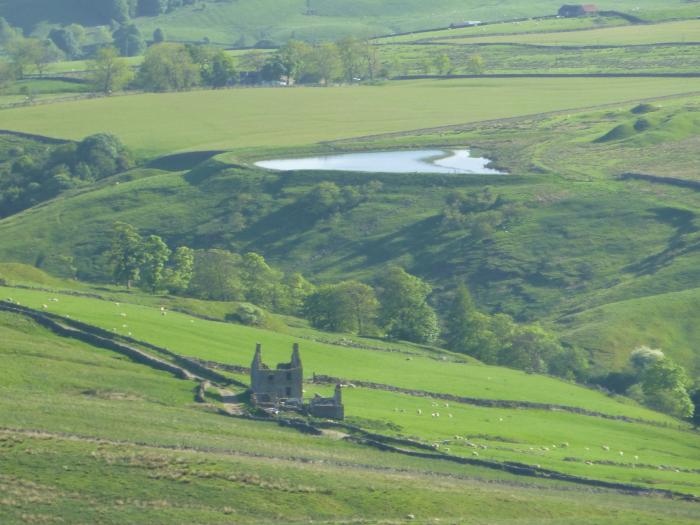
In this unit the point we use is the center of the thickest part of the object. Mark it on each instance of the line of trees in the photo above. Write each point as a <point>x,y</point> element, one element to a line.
<point>348,60</point>
<point>395,305</point>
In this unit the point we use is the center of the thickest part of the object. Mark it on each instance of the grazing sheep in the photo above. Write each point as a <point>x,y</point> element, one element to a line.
<point>44,306</point>
<point>449,415</point>
<point>606,448</point>
<point>622,453</point>
<point>123,314</point>
<point>419,412</point>
<point>475,453</point>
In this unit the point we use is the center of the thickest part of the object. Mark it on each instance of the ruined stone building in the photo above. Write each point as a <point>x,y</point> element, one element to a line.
<point>270,386</point>
<point>282,387</point>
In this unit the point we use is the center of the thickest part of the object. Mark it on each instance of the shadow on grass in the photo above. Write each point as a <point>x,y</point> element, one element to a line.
<point>182,161</point>
<point>679,244</point>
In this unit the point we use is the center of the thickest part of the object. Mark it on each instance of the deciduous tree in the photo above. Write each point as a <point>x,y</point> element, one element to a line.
<point>109,72</point>
<point>154,256</point>
<point>125,254</point>
<point>168,67</point>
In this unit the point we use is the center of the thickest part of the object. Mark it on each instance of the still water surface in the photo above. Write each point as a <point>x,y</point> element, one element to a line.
<point>414,161</point>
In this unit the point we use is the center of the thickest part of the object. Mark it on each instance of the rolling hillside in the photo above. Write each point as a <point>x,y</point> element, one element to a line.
<point>566,248</point>
<point>249,21</point>
<point>98,437</point>
<point>491,417</point>
<point>123,406</point>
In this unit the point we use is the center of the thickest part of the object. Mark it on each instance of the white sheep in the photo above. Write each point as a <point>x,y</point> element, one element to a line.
<point>419,412</point>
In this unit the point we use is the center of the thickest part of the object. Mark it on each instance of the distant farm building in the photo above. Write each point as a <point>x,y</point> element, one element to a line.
<point>575,10</point>
<point>282,388</point>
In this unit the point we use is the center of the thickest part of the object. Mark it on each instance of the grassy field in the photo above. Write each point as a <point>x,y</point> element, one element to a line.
<point>414,59</point>
<point>687,31</point>
<point>507,28</point>
<point>121,443</point>
<point>228,119</point>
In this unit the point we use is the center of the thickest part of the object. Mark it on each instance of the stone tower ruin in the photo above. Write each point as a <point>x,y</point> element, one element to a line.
<point>270,386</point>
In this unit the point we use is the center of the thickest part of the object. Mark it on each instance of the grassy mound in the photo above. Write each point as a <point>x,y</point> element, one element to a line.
<point>619,132</point>
<point>641,109</point>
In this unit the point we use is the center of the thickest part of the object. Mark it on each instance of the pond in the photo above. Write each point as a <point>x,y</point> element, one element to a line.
<point>413,161</point>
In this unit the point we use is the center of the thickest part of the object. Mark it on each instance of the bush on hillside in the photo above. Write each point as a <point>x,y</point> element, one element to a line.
<point>42,174</point>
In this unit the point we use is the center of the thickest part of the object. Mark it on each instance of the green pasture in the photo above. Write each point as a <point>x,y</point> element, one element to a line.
<point>410,59</point>
<point>508,28</point>
<point>226,119</point>
<point>687,31</point>
<point>617,451</point>
<point>234,344</point>
<point>44,86</point>
<point>82,66</point>
<point>96,437</point>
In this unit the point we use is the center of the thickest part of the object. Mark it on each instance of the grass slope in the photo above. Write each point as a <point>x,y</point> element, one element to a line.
<point>122,443</point>
<point>560,441</point>
<point>228,119</point>
<point>681,31</point>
